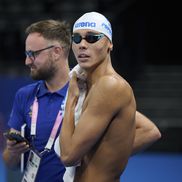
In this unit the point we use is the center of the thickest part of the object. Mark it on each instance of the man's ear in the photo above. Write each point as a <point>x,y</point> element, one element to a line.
<point>110,48</point>
<point>57,52</point>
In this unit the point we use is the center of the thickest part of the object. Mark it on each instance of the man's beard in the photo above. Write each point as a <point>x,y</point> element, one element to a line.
<point>43,74</point>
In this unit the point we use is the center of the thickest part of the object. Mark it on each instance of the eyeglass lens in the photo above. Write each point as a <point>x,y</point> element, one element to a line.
<point>33,54</point>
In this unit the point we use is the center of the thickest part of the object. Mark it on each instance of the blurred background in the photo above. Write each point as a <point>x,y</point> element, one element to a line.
<point>147,52</point>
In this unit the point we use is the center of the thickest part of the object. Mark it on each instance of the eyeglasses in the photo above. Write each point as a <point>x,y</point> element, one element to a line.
<point>34,54</point>
<point>90,38</point>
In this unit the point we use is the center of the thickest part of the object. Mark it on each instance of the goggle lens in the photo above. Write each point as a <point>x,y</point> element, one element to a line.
<point>77,38</point>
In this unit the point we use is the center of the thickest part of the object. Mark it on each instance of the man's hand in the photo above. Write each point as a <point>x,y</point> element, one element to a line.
<point>15,148</point>
<point>13,151</point>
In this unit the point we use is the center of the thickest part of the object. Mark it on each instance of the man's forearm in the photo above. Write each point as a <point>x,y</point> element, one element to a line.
<point>67,131</point>
<point>146,133</point>
<point>144,139</point>
<point>11,160</point>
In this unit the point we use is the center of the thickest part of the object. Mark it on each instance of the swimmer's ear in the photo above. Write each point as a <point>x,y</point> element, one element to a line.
<point>110,48</point>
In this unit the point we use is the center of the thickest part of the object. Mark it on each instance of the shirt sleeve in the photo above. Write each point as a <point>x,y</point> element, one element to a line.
<point>16,119</point>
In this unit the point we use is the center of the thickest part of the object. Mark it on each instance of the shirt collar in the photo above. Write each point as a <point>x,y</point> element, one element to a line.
<point>43,90</point>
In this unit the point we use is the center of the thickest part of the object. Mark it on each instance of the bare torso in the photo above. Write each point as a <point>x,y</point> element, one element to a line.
<point>106,161</point>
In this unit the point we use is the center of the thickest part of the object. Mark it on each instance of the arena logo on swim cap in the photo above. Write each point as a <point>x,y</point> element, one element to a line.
<point>85,24</point>
<point>108,29</point>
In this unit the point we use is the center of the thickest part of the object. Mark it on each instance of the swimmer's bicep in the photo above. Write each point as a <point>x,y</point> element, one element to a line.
<point>99,112</point>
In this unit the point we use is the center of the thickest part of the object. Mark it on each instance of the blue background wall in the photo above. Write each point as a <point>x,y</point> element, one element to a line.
<point>154,167</point>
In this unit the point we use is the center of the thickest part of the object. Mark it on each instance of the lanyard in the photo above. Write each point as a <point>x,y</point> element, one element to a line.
<point>57,123</point>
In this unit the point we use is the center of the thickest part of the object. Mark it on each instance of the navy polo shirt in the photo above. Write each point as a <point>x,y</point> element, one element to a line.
<point>51,168</point>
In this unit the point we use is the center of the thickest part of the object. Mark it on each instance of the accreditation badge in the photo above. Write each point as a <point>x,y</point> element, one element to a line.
<point>32,167</point>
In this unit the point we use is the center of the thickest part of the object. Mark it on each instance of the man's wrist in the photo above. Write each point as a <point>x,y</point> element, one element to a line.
<point>11,159</point>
